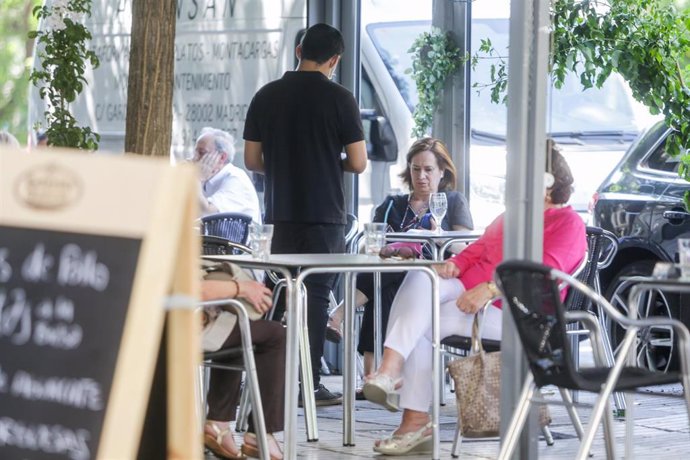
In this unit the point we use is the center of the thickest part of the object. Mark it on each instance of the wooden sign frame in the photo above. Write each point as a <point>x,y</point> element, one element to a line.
<point>139,198</point>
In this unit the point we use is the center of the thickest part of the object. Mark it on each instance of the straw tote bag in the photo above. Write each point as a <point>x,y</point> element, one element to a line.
<point>478,390</point>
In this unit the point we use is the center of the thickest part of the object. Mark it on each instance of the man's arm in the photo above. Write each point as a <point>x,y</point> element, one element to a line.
<point>253,156</point>
<point>205,206</point>
<point>356,157</point>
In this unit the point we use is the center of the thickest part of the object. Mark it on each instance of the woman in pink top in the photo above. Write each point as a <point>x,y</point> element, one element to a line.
<point>403,379</point>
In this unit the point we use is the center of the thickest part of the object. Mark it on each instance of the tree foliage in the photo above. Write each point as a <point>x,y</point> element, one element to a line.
<point>15,54</point>
<point>645,41</point>
<point>63,54</point>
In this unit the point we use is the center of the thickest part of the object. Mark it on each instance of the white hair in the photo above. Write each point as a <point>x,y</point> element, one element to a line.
<point>224,141</point>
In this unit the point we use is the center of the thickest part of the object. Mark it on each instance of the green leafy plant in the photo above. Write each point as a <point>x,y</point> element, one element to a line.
<point>645,41</point>
<point>15,54</point>
<point>63,53</point>
<point>435,58</point>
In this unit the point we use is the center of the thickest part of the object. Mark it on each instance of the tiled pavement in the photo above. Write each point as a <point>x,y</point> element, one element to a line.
<point>661,431</point>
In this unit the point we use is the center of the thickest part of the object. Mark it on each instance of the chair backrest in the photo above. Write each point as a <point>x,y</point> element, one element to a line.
<point>601,247</point>
<point>217,246</point>
<point>233,226</point>
<point>351,229</point>
<point>534,301</point>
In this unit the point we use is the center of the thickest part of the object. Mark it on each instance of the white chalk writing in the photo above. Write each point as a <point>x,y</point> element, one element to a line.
<point>51,328</point>
<point>52,439</point>
<point>66,336</point>
<point>5,267</point>
<point>83,393</point>
<point>3,381</point>
<point>81,268</point>
<point>37,265</point>
<point>15,316</point>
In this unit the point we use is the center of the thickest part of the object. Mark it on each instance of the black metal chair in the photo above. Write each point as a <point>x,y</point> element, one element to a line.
<point>233,226</point>
<point>215,245</point>
<point>532,293</point>
<point>602,246</point>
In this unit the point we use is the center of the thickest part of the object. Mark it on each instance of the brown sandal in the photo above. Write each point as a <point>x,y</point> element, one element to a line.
<point>214,444</point>
<point>252,450</point>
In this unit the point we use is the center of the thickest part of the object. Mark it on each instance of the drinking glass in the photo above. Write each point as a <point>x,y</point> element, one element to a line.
<point>438,205</point>
<point>374,237</point>
<point>260,236</point>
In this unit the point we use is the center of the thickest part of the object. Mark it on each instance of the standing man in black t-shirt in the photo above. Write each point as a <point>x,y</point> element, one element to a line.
<point>295,131</point>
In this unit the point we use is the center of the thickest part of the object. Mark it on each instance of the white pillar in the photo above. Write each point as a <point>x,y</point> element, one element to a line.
<point>527,92</point>
<point>452,125</point>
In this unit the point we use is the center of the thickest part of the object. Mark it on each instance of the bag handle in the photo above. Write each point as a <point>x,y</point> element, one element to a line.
<point>477,346</point>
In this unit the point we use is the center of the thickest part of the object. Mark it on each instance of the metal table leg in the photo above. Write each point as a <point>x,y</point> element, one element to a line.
<point>618,398</point>
<point>349,373</point>
<point>377,320</point>
<point>308,402</point>
<point>293,315</point>
<point>435,362</point>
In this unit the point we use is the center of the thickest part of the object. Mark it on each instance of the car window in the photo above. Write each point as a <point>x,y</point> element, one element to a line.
<point>392,41</point>
<point>368,105</point>
<point>659,160</point>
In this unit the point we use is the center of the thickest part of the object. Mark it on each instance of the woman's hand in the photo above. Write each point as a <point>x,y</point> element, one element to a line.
<point>447,270</point>
<point>256,294</point>
<point>473,300</point>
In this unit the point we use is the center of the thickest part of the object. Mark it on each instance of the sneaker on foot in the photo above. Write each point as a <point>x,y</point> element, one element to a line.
<point>324,397</point>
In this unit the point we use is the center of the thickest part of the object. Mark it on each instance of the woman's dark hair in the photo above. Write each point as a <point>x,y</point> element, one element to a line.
<point>443,161</point>
<point>321,42</point>
<point>562,187</point>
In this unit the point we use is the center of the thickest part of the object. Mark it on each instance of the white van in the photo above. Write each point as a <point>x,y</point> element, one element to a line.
<point>594,127</point>
<point>226,50</point>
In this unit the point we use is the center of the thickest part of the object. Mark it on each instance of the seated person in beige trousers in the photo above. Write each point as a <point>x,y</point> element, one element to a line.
<point>224,386</point>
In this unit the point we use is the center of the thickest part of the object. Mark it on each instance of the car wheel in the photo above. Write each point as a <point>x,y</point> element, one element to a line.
<point>655,349</point>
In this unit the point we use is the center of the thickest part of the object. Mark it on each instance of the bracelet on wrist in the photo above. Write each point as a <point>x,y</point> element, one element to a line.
<point>237,288</point>
<point>493,289</point>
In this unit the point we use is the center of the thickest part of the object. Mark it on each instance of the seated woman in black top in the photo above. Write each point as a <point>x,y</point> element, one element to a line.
<point>429,170</point>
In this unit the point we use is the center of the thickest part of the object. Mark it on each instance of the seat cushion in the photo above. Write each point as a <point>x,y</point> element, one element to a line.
<point>227,354</point>
<point>465,343</point>
<point>631,378</point>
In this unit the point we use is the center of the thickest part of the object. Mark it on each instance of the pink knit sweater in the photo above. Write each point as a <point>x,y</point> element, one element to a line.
<point>565,244</point>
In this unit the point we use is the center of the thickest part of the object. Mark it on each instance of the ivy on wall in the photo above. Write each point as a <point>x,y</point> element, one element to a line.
<point>435,58</point>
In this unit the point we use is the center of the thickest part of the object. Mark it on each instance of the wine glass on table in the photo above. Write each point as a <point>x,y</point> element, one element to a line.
<point>438,205</point>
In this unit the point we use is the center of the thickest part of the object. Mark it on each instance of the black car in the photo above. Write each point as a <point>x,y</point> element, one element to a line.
<point>641,202</point>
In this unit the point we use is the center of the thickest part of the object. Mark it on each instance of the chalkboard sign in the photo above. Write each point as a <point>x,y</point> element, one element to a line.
<point>63,302</point>
<point>89,249</point>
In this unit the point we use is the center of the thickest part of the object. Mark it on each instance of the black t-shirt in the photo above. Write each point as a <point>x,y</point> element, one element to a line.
<point>303,121</point>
